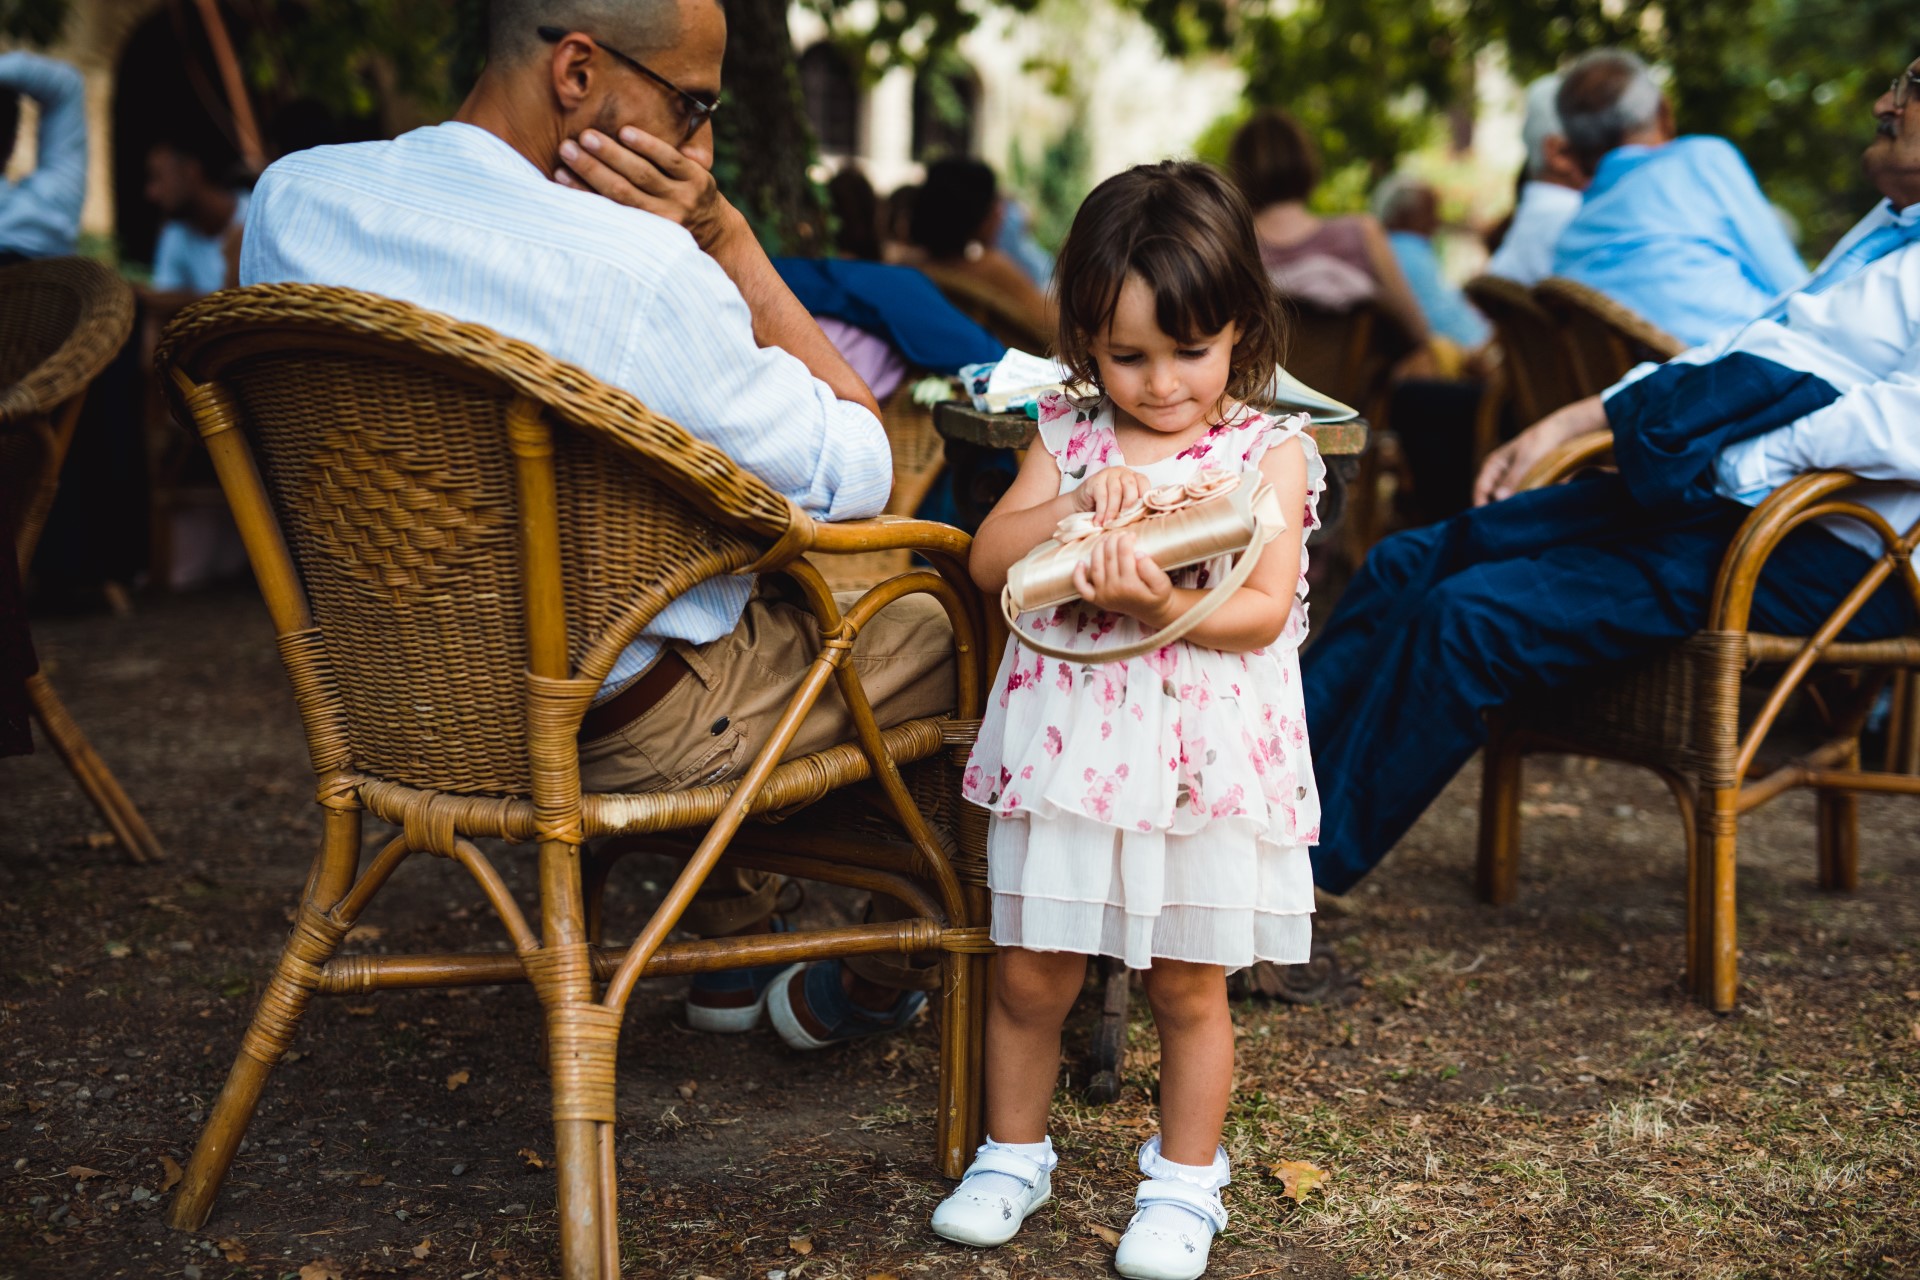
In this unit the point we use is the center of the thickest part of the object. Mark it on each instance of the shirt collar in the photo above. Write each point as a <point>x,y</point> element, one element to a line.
<point>1906,217</point>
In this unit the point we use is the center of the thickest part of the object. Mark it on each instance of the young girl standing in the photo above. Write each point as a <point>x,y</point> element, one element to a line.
<point>1158,809</point>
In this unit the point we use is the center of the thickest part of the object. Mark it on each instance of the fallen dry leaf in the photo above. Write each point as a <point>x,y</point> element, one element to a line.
<point>101,840</point>
<point>424,1248</point>
<point>80,1172</point>
<point>324,1269</point>
<point>358,1011</point>
<point>687,1090</point>
<point>372,1179</point>
<point>174,1173</point>
<point>1108,1234</point>
<point>800,1244</point>
<point>230,1249</point>
<point>458,1078</point>
<point>1297,1177</point>
<point>365,933</point>
<point>532,1158</point>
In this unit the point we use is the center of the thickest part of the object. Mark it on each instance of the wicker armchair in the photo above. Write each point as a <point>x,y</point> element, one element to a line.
<point>1539,375</point>
<point>988,309</point>
<point>1602,338</point>
<point>61,322</point>
<point>1678,714</point>
<point>456,536</point>
<point>919,460</point>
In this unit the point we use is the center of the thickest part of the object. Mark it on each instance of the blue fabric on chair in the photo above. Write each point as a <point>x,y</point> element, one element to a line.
<point>1442,624</point>
<point>1670,426</point>
<point>897,303</point>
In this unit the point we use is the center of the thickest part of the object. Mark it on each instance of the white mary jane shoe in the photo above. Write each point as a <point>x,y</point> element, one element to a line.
<point>1163,1252</point>
<point>987,1218</point>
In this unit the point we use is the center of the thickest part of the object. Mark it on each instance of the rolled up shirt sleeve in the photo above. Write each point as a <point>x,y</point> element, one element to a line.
<point>1872,430</point>
<point>696,361</point>
<point>40,214</point>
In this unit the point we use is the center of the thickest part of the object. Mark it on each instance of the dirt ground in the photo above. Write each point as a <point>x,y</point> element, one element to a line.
<point>1517,1092</point>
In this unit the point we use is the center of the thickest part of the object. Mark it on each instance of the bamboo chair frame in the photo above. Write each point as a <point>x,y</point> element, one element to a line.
<point>1602,339</point>
<point>1678,714</point>
<point>62,321</point>
<point>919,460</point>
<point>295,377</point>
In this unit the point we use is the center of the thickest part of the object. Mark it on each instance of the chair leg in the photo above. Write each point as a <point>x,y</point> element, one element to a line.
<point>92,773</point>
<point>1713,955</point>
<point>1837,827</point>
<point>1498,872</point>
<point>961,1006</point>
<point>1903,731</point>
<point>316,936</point>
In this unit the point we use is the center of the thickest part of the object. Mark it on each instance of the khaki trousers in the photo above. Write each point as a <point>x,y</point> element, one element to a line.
<point>712,724</point>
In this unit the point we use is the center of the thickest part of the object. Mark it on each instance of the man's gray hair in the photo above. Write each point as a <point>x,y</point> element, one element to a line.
<point>631,26</point>
<point>1398,196</point>
<point>1603,97</point>
<point>1542,122</point>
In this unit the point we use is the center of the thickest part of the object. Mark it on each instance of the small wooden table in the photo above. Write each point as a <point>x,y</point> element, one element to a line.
<point>974,439</point>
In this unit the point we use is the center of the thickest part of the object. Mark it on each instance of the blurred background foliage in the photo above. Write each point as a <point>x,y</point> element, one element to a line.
<point>1789,81</point>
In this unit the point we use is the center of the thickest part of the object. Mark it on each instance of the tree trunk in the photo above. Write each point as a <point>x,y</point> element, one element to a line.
<point>763,141</point>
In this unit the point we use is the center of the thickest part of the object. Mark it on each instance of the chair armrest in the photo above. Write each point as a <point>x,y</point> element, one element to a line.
<point>888,533</point>
<point>1585,450</point>
<point>1801,500</point>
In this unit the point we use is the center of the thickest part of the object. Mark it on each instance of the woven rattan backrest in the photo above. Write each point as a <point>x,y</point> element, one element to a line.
<point>986,308</point>
<point>381,435</point>
<point>61,322</point>
<point>1603,339</point>
<point>1342,353</point>
<point>1536,361</point>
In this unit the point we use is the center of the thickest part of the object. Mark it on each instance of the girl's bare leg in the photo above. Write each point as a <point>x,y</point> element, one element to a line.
<point>1032,993</point>
<point>1196,1056</point>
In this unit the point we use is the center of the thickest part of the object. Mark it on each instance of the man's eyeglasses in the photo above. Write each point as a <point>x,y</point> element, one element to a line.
<point>696,109</point>
<point>1902,87</point>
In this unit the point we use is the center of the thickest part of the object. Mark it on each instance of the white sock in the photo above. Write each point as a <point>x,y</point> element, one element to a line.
<point>1003,1184</point>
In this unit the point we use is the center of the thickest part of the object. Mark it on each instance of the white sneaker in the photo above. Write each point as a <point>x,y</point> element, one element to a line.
<point>1169,1245</point>
<point>998,1191</point>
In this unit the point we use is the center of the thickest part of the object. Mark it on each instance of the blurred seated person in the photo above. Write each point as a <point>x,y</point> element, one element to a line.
<point>885,320</point>
<point>1544,587</point>
<point>1331,263</point>
<point>40,214</point>
<point>199,247</point>
<point>1549,192</point>
<point>1017,242</point>
<point>1409,209</point>
<point>896,223</point>
<point>956,221</point>
<point>1674,228</point>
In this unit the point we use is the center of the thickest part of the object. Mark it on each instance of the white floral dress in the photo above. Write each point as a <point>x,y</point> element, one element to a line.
<point>1161,806</point>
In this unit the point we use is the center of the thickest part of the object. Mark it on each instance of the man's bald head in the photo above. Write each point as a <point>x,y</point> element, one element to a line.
<point>638,27</point>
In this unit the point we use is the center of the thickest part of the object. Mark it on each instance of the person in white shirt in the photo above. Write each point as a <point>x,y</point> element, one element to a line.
<point>199,246</point>
<point>569,204</point>
<point>40,214</point>
<point>1549,197</point>
<point>1538,588</point>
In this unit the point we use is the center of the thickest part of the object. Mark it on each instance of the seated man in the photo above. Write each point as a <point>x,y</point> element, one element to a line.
<point>199,246</point>
<point>1549,197</point>
<point>1443,623</point>
<point>1675,229</point>
<point>661,290</point>
<point>1409,208</point>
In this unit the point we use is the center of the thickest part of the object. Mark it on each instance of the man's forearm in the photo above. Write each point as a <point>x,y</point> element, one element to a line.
<point>780,321</point>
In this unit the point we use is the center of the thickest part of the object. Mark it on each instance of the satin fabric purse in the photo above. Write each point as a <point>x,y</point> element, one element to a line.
<point>1217,513</point>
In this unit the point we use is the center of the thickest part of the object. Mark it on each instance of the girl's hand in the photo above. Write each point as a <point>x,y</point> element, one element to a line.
<point>1107,493</point>
<point>1117,578</point>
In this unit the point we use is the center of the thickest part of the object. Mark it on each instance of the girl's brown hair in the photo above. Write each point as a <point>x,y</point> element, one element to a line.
<point>1185,230</point>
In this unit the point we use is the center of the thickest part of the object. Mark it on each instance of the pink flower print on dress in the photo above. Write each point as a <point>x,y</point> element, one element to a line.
<point>1012,802</point>
<point>1101,790</point>
<point>1110,686</point>
<point>1198,696</point>
<point>1106,730</point>
<point>1231,805</point>
<point>1054,742</point>
<point>1026,774</point>
<point>1063,680</point>
<point>1081,441</point>
<point>1162,660</point>
<point>971,781</point>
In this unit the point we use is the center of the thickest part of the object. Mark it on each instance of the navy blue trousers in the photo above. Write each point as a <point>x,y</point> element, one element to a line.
<point>1445,622</point>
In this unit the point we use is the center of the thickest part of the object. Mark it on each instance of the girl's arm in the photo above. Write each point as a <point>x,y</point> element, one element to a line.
<point>1032,507</point>
<point>1119,580</point>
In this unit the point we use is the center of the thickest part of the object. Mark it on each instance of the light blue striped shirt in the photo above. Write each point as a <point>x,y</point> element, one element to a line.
<point>452,219</point>
<point>40,214</point>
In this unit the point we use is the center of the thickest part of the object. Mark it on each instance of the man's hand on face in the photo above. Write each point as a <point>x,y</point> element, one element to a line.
<point>642,171</point>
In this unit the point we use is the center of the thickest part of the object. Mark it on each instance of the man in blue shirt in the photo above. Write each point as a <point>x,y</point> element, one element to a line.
<point>1674,228</point>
